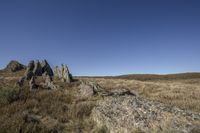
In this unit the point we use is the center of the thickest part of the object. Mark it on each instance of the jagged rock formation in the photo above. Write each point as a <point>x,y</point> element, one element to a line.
<point>29,71</point>
<point>46,68</point>
<point>66,74</point>
<point>57,72</point>
<point>14,66</point>
<point>126,112</point>
<point>63,73</point>
<point>34,69</point>
<point>32,83</point>
<point>37,68</point>
<point>48,83</point>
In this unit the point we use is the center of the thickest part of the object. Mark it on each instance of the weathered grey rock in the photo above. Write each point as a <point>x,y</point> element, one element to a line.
<point>29,75</point>
<point>14,66</point>
<point>32,83</point>
<point>46,68</point>
<point>34,69</point>
<point>66,74</point>
<point>86,90</point>
<point>49,83</point>
<point>37,68</point>
<point>63,73</point>
<point>29,71</point>
<point>125,113</point>
<point>57,72</point>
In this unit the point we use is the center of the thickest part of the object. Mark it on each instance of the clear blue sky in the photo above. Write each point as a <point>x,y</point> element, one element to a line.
<point>103,37</point>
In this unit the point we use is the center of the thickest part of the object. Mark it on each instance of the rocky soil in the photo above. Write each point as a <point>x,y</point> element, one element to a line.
<point>121,110</point>
<point>125,113</point>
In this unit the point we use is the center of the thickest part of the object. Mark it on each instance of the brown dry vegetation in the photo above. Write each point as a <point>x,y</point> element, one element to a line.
<point>25,111</point>
<point>183,93</point>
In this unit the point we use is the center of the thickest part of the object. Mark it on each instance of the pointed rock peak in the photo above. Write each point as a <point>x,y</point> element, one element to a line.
<point>14,66</point>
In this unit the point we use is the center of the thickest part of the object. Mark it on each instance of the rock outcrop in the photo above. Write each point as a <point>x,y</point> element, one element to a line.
<point>34,69</point>
<point>88,89</point>
<point>127,112</point>
<point>37,68</point>
<point>63,73</point>
<point>46,68</point>
<point>14,66</point>
<point>32,83</point>
<point>29,70</point>
<point>57,72</point>
<point>48,84</point>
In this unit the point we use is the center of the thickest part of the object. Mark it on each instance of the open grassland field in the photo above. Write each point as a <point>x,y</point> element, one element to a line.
<point>182,90</point>
<point>25,111</point>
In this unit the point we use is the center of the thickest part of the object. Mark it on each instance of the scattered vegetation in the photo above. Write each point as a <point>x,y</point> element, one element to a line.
<point>183,93</point>
<point>25,111</point>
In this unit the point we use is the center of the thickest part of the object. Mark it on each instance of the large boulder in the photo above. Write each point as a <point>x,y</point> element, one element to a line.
<point>32,83</point>
<point>57,72</point>
<point>14,66</point>
<point>88,89</point>
<point>46,68</point>
<point>29,70</point>
<point>63,73</point>
<point>37,68</point>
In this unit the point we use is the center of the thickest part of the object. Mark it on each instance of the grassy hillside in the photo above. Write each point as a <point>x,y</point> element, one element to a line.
<point>151,77</point>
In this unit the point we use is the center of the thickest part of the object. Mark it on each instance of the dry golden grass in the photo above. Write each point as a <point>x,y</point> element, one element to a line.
<point>183,93</point>
<point>25,111</point>
<point>43,111</point>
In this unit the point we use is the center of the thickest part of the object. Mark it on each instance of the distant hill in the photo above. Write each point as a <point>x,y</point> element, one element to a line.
<point>14,66</point>
<point>149,77</point>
